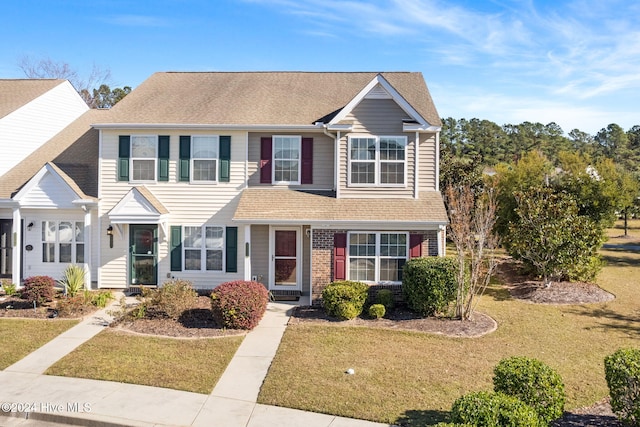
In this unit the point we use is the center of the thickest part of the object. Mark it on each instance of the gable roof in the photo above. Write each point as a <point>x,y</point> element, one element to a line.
<point>74,150</point>
<point>259,98</point>
<point>15,93</point>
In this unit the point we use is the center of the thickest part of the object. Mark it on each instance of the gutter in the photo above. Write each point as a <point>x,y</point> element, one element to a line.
<point>260,127</point>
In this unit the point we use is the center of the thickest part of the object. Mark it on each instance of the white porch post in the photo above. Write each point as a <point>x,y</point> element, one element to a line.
<point>17,246</point>
<point>246,250</point>
<point>442,235</point>
<point>87,248</point>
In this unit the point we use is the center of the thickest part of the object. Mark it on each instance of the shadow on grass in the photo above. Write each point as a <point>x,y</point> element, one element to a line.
<point>422,418</point>
<point>619,260</point>
<point>610,320</point>
<point>498,292</point>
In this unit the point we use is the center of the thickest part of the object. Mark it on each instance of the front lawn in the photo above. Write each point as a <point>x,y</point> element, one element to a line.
<point>413,378</point>
<point>19,337</point>
<point>183,364</point>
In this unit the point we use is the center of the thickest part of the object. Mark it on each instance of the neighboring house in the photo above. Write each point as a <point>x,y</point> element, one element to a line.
<point>31,112</point>
<point>292,179</point>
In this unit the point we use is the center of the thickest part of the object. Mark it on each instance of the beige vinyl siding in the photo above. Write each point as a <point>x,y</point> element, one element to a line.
<point>378,117</point>
<point>427,163</point>
<point>323,160</point>
<point>260,253</point>
<point>188,204</point>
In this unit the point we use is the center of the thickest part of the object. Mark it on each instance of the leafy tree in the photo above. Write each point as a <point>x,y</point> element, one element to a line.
<point>105,97</point>
<point>550,236</point>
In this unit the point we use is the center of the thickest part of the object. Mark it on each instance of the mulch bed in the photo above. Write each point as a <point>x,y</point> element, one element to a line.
<point>14,307</point>
<point>198,322</point>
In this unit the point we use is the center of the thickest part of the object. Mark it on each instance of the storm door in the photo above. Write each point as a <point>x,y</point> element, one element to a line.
<point>143,250</point>
<point>285,257</point>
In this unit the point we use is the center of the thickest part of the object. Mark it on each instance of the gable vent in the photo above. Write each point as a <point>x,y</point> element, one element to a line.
<point>378,92</point>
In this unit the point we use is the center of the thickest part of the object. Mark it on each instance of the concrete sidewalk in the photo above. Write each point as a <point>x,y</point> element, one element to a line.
<point>74,401</point>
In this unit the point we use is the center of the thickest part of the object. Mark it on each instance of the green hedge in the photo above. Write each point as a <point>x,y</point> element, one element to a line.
<point>533,382</point>
<point>345,299</point>
<point>622,372</point>
<point>429,284</point>
<point>484,409</point>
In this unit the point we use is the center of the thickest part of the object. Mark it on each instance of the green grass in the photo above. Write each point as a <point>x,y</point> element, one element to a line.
<point>20,337</point>
<point>182,364</point>
<point>413,378</point>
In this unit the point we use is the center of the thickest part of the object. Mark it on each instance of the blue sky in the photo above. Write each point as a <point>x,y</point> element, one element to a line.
<point>573,62</point>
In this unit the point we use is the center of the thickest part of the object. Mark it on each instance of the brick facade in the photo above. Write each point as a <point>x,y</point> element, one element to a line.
<point>322,261</point>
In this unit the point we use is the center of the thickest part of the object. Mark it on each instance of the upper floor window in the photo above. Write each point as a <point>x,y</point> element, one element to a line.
<point>144,154</point>
<point>286,159</point>
<point>63,241</point>
<point>204,158</point>
<point>377,161</point>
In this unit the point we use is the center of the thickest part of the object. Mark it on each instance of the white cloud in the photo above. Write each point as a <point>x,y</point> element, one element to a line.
<point>136,21</point>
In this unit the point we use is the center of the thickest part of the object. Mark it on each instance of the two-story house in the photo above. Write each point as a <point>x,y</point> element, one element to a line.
<point>293,179</point>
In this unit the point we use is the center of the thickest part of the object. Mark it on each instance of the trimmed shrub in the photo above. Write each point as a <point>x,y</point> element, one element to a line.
<point>453,425</point>
<point>533,382</point>
<point>73,280</point>
<point>377,311</point>
<point>345,299</point>
<point>240,304</point>
<point>173,298</point>
<point>9,288</point>
<point>73,305</point>
<point>429,284</point>
<point>385,297</point>
<point>484,409</point>
<point>39,289</point>
<point>622,372</point>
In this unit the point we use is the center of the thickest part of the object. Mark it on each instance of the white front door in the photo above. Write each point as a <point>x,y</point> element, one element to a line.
<point>285,269</point>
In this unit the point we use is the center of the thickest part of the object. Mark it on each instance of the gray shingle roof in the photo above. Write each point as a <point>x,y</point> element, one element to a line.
<point>258,98</point>
<point>15,93</point>
<point>266,204</point>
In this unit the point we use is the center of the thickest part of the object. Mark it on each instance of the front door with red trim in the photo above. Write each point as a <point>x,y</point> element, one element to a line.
<point>285,259</point>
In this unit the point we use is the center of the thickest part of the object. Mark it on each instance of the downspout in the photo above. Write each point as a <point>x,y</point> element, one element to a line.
<point>416,165</point>
<point>336,157</point>
<point>437,161</point>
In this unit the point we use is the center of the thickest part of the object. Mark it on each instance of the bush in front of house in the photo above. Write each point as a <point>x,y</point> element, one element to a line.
<point>345,299</point>
<point>533,382</point>
<point>622,372</point>
<point>443,424</point>
<point>385,297</point>
<point>485,409</point>
<point>38,289</point>
<point>429,284</point>
<point>377,311</point>
<point>239,304</point>
<point>173,298</point>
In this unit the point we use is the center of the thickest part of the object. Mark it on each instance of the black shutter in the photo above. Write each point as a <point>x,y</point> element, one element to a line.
<point>163,158</point>
<point>225,159</point>
<point>231,241</point>
<point>185,157</point>
<point>124,149</point>
<point>176,248</point>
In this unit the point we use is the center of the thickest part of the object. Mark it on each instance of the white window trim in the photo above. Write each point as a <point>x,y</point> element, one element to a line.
<point>203,249</point>
<point>377,256</point>
<point>132,158</point>
<point>192,159</point>
<point>377,161</point>
<point>57,242</point>
<point>273,160</point>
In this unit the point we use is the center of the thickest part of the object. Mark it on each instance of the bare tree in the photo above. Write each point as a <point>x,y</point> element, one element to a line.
<point>47,68</point>
<point>471,221</point>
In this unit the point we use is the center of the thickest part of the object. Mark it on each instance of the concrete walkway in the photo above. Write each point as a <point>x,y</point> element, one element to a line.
<point>74,401</point>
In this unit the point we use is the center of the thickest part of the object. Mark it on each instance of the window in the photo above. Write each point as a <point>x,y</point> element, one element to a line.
<point>204,158</point>
<point>63,241</point>
<point>377,257</point>
<point>377,161</point>
<point>286,159</point>
<point>144,153</point>
<point>203,248</point>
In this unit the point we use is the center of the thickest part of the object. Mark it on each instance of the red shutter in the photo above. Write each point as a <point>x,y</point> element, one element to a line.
<point>415,245</point>
<point>265,160</point>
<point>307,161</point>
<point>340,256</point>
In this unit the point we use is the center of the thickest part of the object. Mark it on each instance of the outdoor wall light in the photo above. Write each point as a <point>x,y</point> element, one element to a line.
<point>30,226</point>
<point>110,234</point>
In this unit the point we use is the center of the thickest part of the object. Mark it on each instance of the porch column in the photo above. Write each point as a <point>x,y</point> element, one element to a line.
<point>442,235</point>
<point>17,246</point>
<point>87,248</point>
<point>246,250</point>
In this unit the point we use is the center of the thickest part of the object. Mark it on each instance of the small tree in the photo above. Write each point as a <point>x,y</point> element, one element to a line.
<point>471,227</point>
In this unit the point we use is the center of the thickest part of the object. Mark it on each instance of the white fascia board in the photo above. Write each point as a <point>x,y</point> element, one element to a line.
<point>414,127</point>
<point>257,127</point>
<point>8,203</point>
<point>387,225</point>
<point>341,128</point>
<point>378,79</point>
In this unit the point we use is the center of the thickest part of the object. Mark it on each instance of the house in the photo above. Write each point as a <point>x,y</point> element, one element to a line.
<point>293,179</point>
<point>32,112</point>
